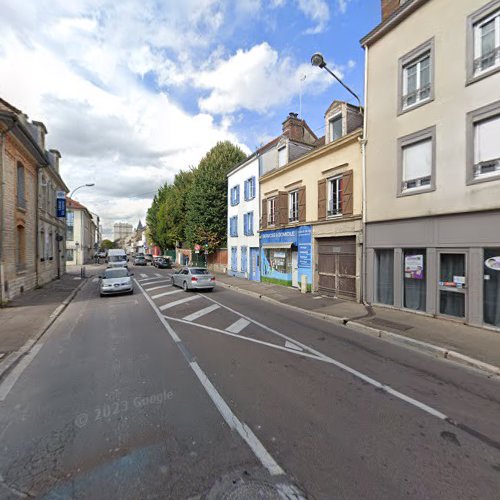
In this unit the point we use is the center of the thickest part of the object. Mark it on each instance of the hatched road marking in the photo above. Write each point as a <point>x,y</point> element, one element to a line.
<point>178,302</point>
<point>157,287</point>
<point>142,275</point>
<point>201,312</point>
<point>164,294</point>
<point>238,325</point>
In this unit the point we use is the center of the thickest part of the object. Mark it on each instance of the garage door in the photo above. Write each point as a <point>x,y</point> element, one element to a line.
<point>337,266</point>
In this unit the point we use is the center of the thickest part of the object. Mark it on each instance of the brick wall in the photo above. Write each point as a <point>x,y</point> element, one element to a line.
<point>388,7</point>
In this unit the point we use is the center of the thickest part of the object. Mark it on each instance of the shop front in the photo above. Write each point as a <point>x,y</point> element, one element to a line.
<point>286,256</point>
<point>445,266</point>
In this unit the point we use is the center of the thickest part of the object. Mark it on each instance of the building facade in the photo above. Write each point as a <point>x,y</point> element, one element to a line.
<point>243,219</point>
<point>311,212</point>
<point>80,234</point>
<point>433,159</point>
<point>122,230</point>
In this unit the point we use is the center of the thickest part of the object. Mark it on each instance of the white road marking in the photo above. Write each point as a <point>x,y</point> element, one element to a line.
<point>291,345</point>
<point>201,312</point>
<point>17,371</point>
<point>231,419</point>
<point>238,325</point>
<point>234,423</point>
<point>157,287</point>
<point>159,275</point>
<point>142,275</point>
<point>2,354</point>
<point>95,280</point>
<point>150,281</point>
<point>178,302</point>
<point>164,294</point>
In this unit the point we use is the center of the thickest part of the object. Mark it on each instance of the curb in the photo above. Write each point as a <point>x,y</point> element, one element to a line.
<point>13,359</point>
<point>425,347</point>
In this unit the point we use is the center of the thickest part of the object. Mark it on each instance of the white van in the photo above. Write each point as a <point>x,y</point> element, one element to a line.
<point>117,257</point>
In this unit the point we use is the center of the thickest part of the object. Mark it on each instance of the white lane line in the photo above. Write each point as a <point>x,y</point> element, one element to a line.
<point>17,371</point>
<point>231,419</point>
<point>291,345</point>
<point>95,280</point>
<point>342,366</point>
<point>164,294</point>
<point>178,302</point>
<point>157,287</point>
<point>142,275</point>
<point>159,275</point>
<point>201,312</point>
<point>238,325</point>
<point>234,423</point>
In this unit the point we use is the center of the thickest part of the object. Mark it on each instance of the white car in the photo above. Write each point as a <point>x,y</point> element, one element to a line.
<point>194,278</point>
<point>116,280</point>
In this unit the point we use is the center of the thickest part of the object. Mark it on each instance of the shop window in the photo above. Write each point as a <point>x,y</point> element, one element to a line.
<point>491,286</point>
<point>414,279</point>
<point>384,293</point>
<point>451,284</point>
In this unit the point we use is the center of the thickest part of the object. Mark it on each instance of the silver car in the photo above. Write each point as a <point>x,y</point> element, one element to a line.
<point>116,280</point>
<point>193,278</point>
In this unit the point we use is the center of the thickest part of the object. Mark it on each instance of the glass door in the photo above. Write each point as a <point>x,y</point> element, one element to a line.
<point>452,284</point>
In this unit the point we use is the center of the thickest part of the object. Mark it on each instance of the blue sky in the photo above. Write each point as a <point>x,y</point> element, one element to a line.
<point>133,91</point>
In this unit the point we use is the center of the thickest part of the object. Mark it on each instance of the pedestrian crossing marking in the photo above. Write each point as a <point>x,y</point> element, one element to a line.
<point>163,294</point>
<point>178,302</point>
<point>238,325</point>
<point>201,312</point>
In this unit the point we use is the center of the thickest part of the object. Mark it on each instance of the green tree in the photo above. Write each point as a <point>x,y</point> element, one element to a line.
<point>206,217</point>
<point>107,244</point>
<point>152,217</point>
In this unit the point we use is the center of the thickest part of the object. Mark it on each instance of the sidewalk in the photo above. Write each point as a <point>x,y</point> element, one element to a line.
<point>449,339</point>
<point>27,317</point>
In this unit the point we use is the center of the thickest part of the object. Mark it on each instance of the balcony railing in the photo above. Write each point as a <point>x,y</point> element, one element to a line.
<point>416,96</point>
<point>334,208</point>
<point>488,60</point>
<point>487,167</point>
<point>416,183</point>
<point>293,215</point>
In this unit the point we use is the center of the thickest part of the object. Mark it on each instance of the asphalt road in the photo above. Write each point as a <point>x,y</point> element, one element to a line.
<point>168,394</point>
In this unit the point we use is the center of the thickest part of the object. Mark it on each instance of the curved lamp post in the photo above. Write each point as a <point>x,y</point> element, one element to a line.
<point>76,189</point>
<point>318,60</point>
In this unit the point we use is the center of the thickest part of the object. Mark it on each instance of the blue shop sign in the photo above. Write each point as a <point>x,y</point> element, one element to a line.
<point>61,207</point>
<point>304,245</point>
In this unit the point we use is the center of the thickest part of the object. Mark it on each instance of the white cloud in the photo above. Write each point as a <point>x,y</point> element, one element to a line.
<point>256,79</point>
<point>342,5</point>
<point>318,11</point>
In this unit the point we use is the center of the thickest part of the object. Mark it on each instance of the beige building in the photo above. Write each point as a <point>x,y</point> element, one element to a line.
<point>81,231</point>
<point>318,195</point>
<point>433,159</point>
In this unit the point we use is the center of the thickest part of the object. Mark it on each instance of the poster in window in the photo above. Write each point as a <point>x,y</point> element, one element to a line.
<point>414,267</point>
<point>493,263</point>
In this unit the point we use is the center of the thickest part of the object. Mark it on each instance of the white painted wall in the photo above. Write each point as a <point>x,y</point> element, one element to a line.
<point>239,176</point>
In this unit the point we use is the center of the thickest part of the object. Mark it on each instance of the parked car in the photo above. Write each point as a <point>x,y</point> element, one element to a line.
<point>163,263</point>
<point>102,254</point>
<point>193,278</point>
<point>116,280</point>
<point>117,258</point>
<point>139,260</point>
<point>149,258</point>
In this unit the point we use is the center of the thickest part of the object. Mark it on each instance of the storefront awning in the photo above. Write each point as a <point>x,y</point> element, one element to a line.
<point>277,245</point>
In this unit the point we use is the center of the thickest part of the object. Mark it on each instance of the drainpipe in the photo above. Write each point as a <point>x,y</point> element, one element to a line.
<point>2,207</point>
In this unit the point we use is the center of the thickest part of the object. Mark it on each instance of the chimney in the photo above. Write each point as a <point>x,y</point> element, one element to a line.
<point>54,158</point>
<point>293,127</point>
<point>42,130</point>
<point>389,7</point>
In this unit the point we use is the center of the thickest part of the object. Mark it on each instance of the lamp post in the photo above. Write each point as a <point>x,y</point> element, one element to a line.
<point>76,189</point>
<point>318,60</point>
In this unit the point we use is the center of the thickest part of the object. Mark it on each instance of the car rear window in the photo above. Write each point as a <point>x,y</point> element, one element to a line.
<point>115,273</point>
<point>199,271</point>
<point>117,258</point>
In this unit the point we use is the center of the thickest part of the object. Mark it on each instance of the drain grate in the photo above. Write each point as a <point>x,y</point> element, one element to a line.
<point>389,324</point>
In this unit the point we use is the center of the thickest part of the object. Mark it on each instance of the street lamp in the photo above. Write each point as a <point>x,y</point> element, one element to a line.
<point>76,189</point>
<point>317,59</point>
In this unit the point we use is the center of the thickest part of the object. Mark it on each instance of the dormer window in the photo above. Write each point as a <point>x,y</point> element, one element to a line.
<point>282,157</point>
<point>336,127</point>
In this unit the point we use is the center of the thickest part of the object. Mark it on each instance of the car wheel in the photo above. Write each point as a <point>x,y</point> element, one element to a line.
<point>131,292</point>
<point>185,286</point>
<point>173,282</point>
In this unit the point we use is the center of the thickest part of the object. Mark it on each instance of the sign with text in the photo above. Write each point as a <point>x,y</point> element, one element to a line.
<point>414,267</point>
<point>60,204</point>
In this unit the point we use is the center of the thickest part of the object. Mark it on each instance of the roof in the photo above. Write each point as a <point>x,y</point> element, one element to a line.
<point>320,142</point>
<point>398,16</point>
<point>75,205</point>
<point>9,106</point>
<point>336,102</point>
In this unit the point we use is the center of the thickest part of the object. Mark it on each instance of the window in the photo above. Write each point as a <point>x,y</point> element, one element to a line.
<point>334,196</point>
<point>384,293</point>
<point>20,249</point>
<point>491,286</point>
<point>235,195</point>
<point>70,221</point>
<point>234,258</point>
<point>42,245</point>
<point>416,84</point>
<point>483,144</point>
<point>294,206</point>
<point>336,127</point>
<point>248,224</point>
<point>416,162</point>
<point>21,195</point>
<point>250,189</point>
<point>244,260</point>
<point>233,226</point>
<point>69,254</point>
<point>282,157</point>
<point>414,288</point>
<point>271,211</point>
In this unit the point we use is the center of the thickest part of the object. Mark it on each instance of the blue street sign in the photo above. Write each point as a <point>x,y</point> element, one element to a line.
<point>61,207</point>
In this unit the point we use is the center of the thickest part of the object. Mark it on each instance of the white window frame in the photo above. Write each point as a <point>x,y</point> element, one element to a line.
<point>417,64</point>
<point>280,150</point>
<point>271,211</point>
<point>293,206</point>
<point>335,117</point>
<point>330,209</point>
<point>478,46</point>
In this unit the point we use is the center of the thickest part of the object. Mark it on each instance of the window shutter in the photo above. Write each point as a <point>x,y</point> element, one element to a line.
<point>417,160</point>
<point>347,193</point>
<point>302,204</point>
<point>282,207</point>
<point>487,145</point>
<point>322,199</point>
<point>263,222</point>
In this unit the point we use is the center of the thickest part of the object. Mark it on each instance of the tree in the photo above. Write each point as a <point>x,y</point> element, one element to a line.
<point>107,244</point>
<point>152,217</point>
<point>206,220</point>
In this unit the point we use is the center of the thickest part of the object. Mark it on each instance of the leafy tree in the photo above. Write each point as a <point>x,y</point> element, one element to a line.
<point>107,244</point>
<point>206,218</point>
<point>152,217</point>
